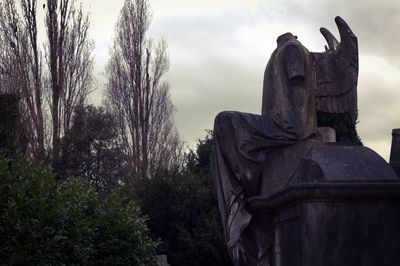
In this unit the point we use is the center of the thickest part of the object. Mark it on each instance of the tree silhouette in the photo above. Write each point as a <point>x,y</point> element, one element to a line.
<point>138,95</point>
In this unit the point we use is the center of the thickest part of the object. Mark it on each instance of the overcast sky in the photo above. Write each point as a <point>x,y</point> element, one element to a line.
<point>219,48</point>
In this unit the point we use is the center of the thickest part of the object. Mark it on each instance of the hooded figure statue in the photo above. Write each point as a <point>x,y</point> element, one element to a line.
<point>244,143</point>
<point>255,154</point>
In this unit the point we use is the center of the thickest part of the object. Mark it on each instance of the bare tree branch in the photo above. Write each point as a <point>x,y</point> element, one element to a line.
<point>137,95</point>
<point>70,62</point>
<point>21,66</point>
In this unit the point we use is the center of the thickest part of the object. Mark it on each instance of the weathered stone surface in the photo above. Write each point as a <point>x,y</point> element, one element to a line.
<point>162,260</point>
<point>279,168</point>
<point>326,134</point>
<point>339,163</point>
<point>362,231</point>
<point>395,151</point>
<point>326,166</point>
<point>337,72</point>
<point>333,212</point>
<point>282,185</point>
<point>334,223</point>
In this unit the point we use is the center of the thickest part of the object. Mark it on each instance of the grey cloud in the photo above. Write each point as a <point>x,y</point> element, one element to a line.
<point>376,23</point>
<point>378,98</point>
<point>208,73</point>
<point>379,108</point>
<point>214,69</point>
<point>210,87</point>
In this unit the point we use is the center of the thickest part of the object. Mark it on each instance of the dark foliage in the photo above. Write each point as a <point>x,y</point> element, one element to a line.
<point>183,214</point>
<point>48,222</point>
<point>343,125</point>
<point>90,149</point>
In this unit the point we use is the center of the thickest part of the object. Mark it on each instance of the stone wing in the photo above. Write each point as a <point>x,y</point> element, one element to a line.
<point>337,72</point>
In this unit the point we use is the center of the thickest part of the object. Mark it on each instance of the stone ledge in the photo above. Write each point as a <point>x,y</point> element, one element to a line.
<point>355,191</point>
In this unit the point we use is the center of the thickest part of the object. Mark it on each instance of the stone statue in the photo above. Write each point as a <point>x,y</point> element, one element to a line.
<point>253,152</point>
<point>337,72</point>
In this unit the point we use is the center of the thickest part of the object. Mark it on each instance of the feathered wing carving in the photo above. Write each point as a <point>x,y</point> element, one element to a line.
<point>337,72</point>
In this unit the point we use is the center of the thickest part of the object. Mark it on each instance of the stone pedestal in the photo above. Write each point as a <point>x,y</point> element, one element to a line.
<point>395,151</point>
<point>336,210</point>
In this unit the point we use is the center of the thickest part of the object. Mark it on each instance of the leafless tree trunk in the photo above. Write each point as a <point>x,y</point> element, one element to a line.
<point>70,64</point>
<point>137,94</point>
<point>21,68</point>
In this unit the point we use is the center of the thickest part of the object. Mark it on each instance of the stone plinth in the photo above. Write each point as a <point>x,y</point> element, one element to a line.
<point>335,210</point>
<point>395,151</point>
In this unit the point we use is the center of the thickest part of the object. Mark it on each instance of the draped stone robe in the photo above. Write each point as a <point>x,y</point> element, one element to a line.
<point>244,143</point>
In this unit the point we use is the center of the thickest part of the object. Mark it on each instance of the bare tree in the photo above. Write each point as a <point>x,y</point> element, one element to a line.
<point>138,95</point>
<point>70,64</point>
<point>21,68</point>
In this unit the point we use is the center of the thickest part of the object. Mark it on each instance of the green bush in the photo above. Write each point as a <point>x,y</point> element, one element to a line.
<point>48,222</point>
